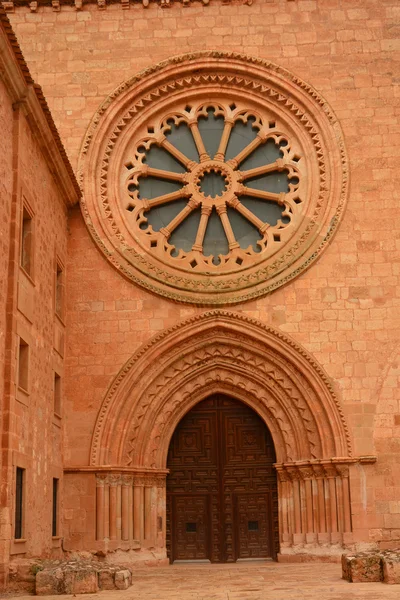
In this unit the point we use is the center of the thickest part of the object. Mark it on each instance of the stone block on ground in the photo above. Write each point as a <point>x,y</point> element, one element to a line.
<point>106,579</point>
<point>391,567</point>
<point>346,571</point>
<point>22,575</point>
<point>50,582</point>
<point>80,577</point>
<point>81,581</point>
<point>123,579</point>
<point>362,567</point>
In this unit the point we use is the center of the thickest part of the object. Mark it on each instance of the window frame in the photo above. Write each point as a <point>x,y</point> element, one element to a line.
<point>26,209</point>
<point>55,505</point>
<point>19,505</point>
<point>23,361</point>
<point>59,289</point>
<point>57,395</point>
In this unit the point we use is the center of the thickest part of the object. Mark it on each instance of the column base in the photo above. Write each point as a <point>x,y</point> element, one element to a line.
<point>348,538</point>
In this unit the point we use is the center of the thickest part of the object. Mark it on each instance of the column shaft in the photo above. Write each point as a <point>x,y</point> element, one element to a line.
<point>113,512</point>
<point>125,512</point>
<point>100,512</point>
<point>138,513</point>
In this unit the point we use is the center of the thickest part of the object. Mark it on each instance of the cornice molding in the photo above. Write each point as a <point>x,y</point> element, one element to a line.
<point>57,5</point>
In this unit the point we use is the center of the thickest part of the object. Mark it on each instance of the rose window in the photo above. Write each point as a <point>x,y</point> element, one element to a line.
<point>213,185</point>
<point>213,178</point>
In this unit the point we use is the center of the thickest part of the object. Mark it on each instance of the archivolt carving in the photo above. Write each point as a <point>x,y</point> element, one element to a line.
<point>137,117</point>
<point>227,353</point>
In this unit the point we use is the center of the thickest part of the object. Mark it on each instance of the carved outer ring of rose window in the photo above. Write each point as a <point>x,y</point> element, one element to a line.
<point>136,114</point>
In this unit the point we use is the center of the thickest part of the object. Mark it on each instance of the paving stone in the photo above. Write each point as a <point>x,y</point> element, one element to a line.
<point>253,581</point>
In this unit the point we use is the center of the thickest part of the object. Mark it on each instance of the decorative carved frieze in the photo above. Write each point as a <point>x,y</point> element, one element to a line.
<point>140,479</point>
<point>317,469</point>
<point>101,4</point>
<point>342,470</point>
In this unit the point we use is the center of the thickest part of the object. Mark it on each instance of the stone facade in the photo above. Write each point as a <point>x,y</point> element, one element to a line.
<point>37,188</point>
<point>134,361</point>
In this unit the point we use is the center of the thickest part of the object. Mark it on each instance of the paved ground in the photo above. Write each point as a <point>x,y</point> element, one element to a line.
<point>246,581</point>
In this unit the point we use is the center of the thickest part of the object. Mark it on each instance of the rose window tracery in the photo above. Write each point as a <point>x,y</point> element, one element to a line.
<point>213,178</point>
<point>212,185</point>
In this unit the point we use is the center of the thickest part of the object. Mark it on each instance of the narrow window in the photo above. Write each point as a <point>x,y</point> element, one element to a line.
<point>59,290</point>
<point>26,258</point>
<point>23,365</point>
<point>19,503</point>
<point>54,524</point>
<point>57,394</point>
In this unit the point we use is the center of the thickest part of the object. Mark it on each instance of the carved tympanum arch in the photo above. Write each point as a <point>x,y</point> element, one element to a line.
<point>219,352</point>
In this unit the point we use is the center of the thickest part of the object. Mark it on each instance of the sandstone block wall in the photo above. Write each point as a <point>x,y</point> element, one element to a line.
<point>345,308</point>
<point>32,430</point>
<point>6,120</point>
<point>32,184</point>
<point>6,171</point>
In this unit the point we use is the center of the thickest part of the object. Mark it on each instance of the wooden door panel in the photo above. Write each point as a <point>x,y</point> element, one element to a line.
<point>195,441</point>
<point>253,525</point>
<point>223,450</point>
<point>191,527</point>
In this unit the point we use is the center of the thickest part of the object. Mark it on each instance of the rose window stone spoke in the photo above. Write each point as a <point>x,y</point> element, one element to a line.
<point>236,184</point>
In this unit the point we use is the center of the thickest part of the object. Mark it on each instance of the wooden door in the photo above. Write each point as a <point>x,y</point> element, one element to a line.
<point>221,490</point>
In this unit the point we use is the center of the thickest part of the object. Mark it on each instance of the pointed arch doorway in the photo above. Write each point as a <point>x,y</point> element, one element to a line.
<point>220,352</point>
<point>222,501</point>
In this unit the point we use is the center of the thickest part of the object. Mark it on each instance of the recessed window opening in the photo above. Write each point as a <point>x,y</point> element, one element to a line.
<point>54,524</point>
<point>26,254</point>
<point>57,394</point>
<point>59,301</point>
<point>19,503</point>
<point>23,365</point>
